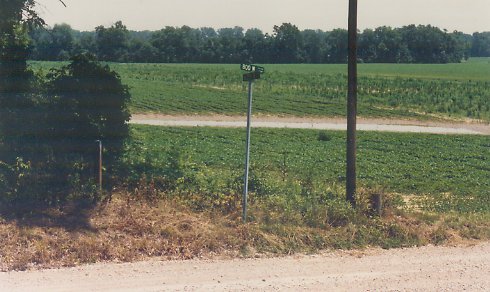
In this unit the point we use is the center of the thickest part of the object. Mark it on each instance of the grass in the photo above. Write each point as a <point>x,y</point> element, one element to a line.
<point>182,198</point>
<point>454,169</point>
<point>475,69</point>
<point>412,91</point>
<point>125,230</point>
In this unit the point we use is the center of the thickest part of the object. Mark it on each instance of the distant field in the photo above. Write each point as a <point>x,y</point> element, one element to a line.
<point>475,69</point>
<point>452,171</point>
<point>385,90</point>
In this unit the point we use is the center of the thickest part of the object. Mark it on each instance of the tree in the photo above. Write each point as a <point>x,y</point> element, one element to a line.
<point>255,45</point>
<point>388,44</point>
<point>169,44</point>
<point>209,42</point>
<point>481,44</point>
<point>428,44</point>
<point>464,42</point>
<point>112,43</point>
<point>314,45</point>
<point>288,44</point>
<point>16,80</point>
<point>53,44</point>
<point>230,45</point>
<point>337,46</point>
<point>141,51</point>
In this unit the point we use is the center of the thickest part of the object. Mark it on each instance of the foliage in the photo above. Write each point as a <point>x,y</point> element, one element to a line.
<point>481,44</point>
<point>385,90</point>
<point>88,103</point>
<point>54,44</point>
<point>112,43</point>
<point>17,93</point>
<point>298,167</point>
<point>287,44</point>
<point>15,12</point>
<point>49,148</point>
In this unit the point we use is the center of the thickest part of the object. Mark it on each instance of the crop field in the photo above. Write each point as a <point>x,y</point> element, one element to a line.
<point>385,90</point>
<point>452,172</point>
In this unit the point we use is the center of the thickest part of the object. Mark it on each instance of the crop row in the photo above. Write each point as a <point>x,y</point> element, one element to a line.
<point>453,169</point>
<point>216,89</point>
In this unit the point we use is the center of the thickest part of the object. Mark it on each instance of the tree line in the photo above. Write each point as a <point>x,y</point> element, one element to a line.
<point>287,44</point>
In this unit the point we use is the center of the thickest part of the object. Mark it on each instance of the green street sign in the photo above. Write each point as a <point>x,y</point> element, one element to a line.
<point>252,68</point>
<point>251,76</point>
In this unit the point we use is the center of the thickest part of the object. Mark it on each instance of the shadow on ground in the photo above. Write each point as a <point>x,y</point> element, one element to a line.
<point>71,216</point>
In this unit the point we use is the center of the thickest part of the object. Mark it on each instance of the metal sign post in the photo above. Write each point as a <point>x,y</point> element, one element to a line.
<point>254,74</point>
<point>247,155</point>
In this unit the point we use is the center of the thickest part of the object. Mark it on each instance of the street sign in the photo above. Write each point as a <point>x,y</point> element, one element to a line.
<point>254,73</point>
<point>251,76</point>
<point>252,68</point>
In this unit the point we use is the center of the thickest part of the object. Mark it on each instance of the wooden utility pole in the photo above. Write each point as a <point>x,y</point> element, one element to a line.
<point>352,105</point>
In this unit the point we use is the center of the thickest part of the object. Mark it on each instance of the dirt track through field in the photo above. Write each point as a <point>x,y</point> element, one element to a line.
<point>383,125</point>
<point>416,269</point>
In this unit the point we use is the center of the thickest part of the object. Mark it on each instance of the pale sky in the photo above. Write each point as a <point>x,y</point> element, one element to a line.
<point>463,15</point>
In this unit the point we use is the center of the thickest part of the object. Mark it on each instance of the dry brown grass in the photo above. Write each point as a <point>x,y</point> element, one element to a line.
<point>121,230</point>
<point>125,229</point>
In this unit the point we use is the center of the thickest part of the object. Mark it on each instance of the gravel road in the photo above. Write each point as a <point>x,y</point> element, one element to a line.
<point>415,269</point>
<point>383,125</point>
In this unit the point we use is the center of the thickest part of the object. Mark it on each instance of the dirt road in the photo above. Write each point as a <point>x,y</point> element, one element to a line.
<point>385,125</point>
<point>416,269</point>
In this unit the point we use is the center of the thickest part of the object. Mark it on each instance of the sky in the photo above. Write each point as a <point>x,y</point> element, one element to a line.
<point>463,15</point>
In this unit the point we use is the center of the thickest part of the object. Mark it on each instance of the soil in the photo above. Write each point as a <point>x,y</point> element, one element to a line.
<point>426,268</point>
<point>363,124</point>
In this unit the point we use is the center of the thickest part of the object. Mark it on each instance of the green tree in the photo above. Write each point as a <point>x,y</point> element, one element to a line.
<point>337,46</point>
<point>428,44</point>
<point>481,44</point>
<point>169,44</point>
<point>288,44</point>
<point>53,44</point>
<point>209,41</point>
<point>16,80</point>
<point>255,45</point>
<point>230,45</point>
<point>314,45</point>
<point>367,46</point>
<point>112,43</point>
<point>141,51</point>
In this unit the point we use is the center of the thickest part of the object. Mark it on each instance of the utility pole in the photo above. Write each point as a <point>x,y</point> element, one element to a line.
<point>352,105</point>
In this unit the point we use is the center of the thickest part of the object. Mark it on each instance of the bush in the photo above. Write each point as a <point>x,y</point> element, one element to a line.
<point>88,103</point>
<point>77,105</point>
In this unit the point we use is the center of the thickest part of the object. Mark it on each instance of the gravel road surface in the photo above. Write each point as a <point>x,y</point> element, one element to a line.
<point>415,269</point>
<point>384,125</point>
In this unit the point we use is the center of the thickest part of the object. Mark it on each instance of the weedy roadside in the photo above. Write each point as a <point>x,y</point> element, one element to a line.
<point>130,228</point>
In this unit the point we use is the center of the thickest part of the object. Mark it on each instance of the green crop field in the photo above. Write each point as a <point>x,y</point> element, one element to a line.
<point>453,171</point>
<point>385,90</point>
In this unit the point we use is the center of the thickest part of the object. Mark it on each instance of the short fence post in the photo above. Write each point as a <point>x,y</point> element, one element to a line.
<point>377,204</point>
<point>99,164</point>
